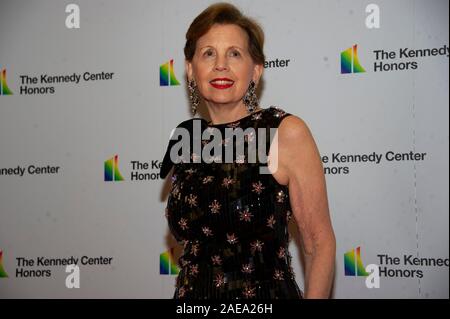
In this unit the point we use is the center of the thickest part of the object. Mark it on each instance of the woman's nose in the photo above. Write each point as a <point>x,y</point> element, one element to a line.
<point>221,64</point>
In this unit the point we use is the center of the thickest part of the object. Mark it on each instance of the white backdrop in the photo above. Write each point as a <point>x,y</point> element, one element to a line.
<point>61,130</point>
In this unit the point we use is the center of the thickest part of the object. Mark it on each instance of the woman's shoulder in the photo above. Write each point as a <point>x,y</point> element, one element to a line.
<point>291,127</point>
<point>285,120</point>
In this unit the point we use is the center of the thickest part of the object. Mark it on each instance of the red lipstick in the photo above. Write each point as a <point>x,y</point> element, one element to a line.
<point>221,83</point>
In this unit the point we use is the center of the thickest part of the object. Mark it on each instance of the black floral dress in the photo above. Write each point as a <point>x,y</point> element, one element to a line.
<point>230,218</point>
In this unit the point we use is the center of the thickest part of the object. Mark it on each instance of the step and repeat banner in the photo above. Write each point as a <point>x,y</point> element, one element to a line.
<point>91,90</point>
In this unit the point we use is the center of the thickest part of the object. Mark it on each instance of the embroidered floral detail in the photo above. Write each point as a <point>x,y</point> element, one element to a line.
<point>248,291</point>
<point>245,215</point>
<point>271,221</point>
<point>249,137</point>
<point>233,125</point>
<point>280,196</point>
<point>219,281</point>
<point>281,253</point>
<point>181,292</point>
<point>184,262</point>
<point>278,275</point>
<point>175,191</point>
<point>256,116</point>
<point>207,179</point>
<point>190,171</point>
<point>288,215</point>
<point>183,223</point>
<point>278,112</point>
<point>207,231</point>
<point>227,182</point>
<point>240,159</point>
<point>216,260</point>
<point>215,207</point>
<point>194,270</point>
<point>247,268</point>
<point>195,157</point>
<point>257,187</point>
<point>195,249</point>
<point>256,246</point>
<point>232,239</point>
<point>192,200</point>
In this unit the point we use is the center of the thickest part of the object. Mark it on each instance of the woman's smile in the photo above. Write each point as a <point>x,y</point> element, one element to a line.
<point>221,83</point>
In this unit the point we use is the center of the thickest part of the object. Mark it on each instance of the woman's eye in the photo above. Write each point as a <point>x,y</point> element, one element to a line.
<point>235,53</point>
<point>209,53</point>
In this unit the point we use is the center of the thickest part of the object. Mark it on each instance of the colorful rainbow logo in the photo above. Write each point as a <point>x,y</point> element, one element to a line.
<point>167,264</point>
<point>350,62</point>
<point>353,264</point>
<point>167,75</point>
<point>3,273</point>
<point>4,89</point>
<point>112,170</point>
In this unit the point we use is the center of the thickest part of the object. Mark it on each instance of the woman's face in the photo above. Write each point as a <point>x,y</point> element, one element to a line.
<point>222,65</point>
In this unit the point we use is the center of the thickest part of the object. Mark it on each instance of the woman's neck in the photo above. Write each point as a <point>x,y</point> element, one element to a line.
<point>221,113</point>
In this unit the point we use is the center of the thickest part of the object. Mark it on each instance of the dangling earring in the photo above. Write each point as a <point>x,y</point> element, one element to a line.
<point>250,99</point>
<point>193,96</point>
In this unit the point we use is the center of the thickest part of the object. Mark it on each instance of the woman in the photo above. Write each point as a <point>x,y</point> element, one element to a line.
<point>231,219</point>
